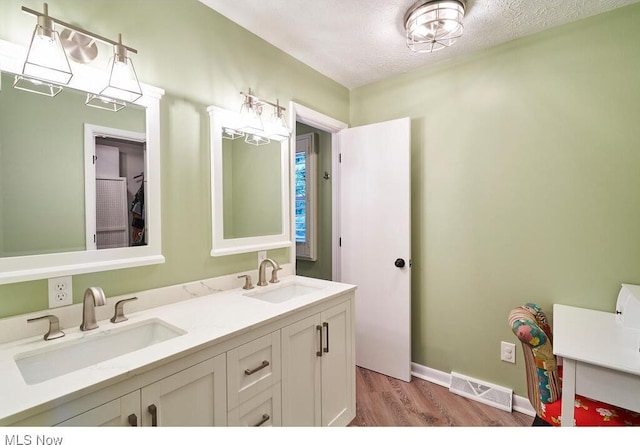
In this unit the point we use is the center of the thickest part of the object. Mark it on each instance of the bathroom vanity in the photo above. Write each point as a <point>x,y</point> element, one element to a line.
<point>281,355</point>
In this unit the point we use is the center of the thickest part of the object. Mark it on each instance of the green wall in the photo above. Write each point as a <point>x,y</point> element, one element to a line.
<point>199,58</point>
<point>525,185</point>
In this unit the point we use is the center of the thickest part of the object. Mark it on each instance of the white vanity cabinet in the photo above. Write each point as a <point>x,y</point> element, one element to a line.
<point>291,368</point>
<point>318,369</point>
<point>195,396</point>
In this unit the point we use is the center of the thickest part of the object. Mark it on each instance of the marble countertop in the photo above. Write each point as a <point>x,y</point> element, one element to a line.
<point>207,320</point>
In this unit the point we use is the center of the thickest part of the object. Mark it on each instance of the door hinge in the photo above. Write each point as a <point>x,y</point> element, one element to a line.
<point>340,158</point>
<point>95,158</point>
<point>340,242</point>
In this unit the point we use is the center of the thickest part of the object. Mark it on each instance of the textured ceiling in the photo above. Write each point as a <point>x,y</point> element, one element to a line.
<point>356,42</point>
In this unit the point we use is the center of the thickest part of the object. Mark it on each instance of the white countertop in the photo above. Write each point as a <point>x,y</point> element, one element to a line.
<point>595,337</point>
<point>207,320</point>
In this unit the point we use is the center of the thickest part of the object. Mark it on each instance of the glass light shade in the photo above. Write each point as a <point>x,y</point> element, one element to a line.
<point>255,139</point>
<point>104,103</point>
<point>434,25</point>
<point>123,82</point>
<point>231,134</point>
<point>46,59</point>
<point>36,86</point>
<point>251,116</point>
<point>277,127</point>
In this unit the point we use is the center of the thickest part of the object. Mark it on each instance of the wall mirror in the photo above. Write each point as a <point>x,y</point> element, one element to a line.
<point>249,189</point>
<point>60,212</point>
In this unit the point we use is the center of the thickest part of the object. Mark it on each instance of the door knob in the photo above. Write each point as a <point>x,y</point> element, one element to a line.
<point>399,263</point>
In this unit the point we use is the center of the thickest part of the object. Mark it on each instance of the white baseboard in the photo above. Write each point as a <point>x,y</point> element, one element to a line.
<point>520,404</point>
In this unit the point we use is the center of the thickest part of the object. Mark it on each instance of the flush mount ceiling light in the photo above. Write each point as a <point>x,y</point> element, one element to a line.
<point>433,25</point>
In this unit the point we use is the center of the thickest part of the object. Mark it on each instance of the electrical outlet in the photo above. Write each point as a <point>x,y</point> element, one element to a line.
<point>507,352</point>
<point>262,255</point>
<point>60,292</point>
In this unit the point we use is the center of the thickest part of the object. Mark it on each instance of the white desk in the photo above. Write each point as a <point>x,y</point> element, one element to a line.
<point>601,360</point>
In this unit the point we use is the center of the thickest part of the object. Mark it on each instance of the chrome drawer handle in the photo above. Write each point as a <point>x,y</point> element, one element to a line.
<point>326,325</point>
<point>254,370</point>
<point>319,330</point>
<point>265,417</point>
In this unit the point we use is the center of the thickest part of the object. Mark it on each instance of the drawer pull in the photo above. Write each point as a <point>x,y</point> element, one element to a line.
<point>263,365</point>
<point>133,420</point>
<point>153,410</point>
<point>265,417</point>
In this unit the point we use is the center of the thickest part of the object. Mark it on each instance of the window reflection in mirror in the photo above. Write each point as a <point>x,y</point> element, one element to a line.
<point>42,168</point>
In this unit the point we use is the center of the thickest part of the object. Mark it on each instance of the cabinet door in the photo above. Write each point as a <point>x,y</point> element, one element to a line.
<point>196,396</point>
<point>338,367</point>
<point>301,379</point>
<point>124,411</point>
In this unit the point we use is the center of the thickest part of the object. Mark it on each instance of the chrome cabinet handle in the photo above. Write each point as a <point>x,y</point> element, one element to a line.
<point>319,330</point>
<point>263,365</point>
<point>326,325</point>
<point>265,417</point>
<point>133,420</point>
<point>153,410</point>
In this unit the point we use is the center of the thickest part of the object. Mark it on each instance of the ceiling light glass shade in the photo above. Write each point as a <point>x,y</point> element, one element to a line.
<point>123,82</point>
<point>433,25</point>
<point>255,139</point>
<point>46,59</point>
<point>36,86</point>
<point>104,103</point>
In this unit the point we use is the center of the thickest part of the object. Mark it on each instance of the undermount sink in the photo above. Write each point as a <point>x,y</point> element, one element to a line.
<point>281,293</point>
<point>59,359</point>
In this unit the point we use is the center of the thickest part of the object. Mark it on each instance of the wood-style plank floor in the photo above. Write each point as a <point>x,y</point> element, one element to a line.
<point>384,401</point>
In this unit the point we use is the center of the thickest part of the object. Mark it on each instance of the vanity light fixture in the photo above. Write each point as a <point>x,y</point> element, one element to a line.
<point>251,114</point>
<point>47,68</point>
<point>433,25</point>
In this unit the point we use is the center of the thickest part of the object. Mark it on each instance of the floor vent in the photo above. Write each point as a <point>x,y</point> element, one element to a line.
<point>483,392</point>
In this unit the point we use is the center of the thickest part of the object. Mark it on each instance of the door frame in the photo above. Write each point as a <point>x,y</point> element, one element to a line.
<point>315,119</point>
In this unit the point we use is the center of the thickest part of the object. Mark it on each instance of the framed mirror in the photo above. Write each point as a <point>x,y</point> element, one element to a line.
<point>249,188</point>
<point>53,206</point>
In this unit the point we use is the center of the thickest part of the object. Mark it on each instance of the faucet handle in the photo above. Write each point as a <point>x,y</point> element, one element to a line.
<point>274,275</point>
<point>119,317</point>
<point>247,281</point>
<point>54,326</point>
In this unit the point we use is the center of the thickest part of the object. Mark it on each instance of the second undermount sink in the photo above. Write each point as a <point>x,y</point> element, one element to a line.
<point>62,358</point>
<point>281,293</point>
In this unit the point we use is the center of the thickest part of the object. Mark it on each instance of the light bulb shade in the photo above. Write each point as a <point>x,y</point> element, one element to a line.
<point>36,86</point>
<point>434,24</point>
<point>255,139</point>
<point>104,103</point>
<point>277,127</point>
<point>251,116</point>
<point>231,133</point>
<point>46,59</point>
<point>123,82</point>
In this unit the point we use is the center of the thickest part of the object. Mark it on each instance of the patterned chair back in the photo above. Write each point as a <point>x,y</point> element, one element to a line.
<point>530,325</point>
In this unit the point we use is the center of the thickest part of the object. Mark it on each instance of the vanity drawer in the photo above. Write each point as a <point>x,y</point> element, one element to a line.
<point>252,368</point>
<point>263,409</point>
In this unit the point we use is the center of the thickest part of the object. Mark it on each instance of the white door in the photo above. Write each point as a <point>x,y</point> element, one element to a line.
<point>375,238</point>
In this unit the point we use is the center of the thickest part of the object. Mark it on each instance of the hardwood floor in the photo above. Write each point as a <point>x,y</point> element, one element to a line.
<point>384,401</point>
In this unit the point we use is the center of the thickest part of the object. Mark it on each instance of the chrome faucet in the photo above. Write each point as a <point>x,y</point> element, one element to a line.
<point>274,272</point>
<point>93,296</point>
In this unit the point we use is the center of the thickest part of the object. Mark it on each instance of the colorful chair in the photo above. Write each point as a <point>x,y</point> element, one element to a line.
<point>544,377</point>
